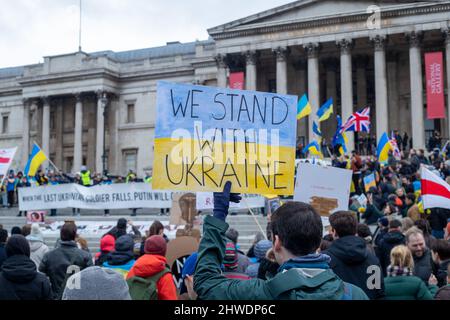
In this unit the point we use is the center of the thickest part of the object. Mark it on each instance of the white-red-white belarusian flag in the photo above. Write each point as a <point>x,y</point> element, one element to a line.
<point>435,191</point>
<point>6,158</point>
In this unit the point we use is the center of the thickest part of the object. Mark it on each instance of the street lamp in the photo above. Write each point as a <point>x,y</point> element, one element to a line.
<point>104,156</point>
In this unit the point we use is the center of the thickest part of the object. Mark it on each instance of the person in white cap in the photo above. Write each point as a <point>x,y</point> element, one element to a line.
<point>37,246</point>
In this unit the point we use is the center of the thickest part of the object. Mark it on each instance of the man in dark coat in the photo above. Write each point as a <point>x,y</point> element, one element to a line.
<point>19,279</point>
<point>393,238</point>
<point>59,264</point>
<point>350,258</point>
<point>441,256</point>
<point>423,263</point>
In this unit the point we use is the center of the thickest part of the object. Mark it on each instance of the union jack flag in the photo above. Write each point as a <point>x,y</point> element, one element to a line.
<point>358,121</point>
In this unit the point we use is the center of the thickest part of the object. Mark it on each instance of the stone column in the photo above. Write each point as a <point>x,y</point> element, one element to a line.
<point>59,134</point>
<point>25,132</point>
<point>78,134</point>
<point>221,71</point>
<point>250,70</point>
<point>446,33</point>
<point>381,98</point>
<point>417,113</point>
<point>345,45</point>
<point>46,129</point>
<point>281,54</point>
<point>312,50</point>
<point>101,104</point>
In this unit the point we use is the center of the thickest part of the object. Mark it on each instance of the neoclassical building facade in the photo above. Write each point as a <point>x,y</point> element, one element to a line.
<point>98,109</point>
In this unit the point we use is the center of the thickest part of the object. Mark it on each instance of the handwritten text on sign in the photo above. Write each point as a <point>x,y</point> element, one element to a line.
<point>207,136</point>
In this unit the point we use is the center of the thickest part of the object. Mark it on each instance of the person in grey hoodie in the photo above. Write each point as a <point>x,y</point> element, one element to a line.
<point>96,283</point>
<point>37,246</point>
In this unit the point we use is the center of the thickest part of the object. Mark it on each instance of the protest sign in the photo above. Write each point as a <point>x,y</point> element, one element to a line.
<point>6,158</point>
<point>178,250</point>
<point>114,196</point>
<point>327,189</point>
<point>369,181</point>
<point>205,201</point>
<point>36,217</point>
<point>207,136</point>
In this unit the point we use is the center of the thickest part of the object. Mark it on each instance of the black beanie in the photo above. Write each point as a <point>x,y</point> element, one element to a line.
<point>17,245</point>
<point>122,223</point>
<point>16,230</point>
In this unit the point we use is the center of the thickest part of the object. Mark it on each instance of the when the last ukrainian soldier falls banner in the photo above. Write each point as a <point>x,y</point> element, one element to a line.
<point>206,136</point>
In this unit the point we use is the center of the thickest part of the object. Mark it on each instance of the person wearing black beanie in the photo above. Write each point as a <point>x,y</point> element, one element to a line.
<point>19,279</point>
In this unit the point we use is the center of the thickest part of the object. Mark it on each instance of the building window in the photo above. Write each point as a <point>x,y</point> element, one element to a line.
<point>130,113</point>
<point>5,124</point>
<point>130,160</point>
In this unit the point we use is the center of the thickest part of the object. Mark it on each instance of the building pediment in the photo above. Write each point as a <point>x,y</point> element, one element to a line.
<point>310,10</point>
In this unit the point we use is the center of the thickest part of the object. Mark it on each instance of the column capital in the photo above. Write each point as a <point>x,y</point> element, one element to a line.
<point>78,97</point>
<point>414,38</point>
<point>46,100</point>
<point>345,45</point>
<point>379,42</point>
<point>312,49</point>
<point>26,101</point>
<point>281,53</point>
<point>251,57</point>
<point>221,60</point>
<point>446,35</point>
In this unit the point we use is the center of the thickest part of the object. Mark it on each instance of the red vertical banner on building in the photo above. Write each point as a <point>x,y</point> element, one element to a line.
<point>237,80</point>
<point>435,85</point>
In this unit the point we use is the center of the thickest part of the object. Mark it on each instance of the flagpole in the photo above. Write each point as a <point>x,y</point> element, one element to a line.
<point>48,158</point>
<point>254,217</point>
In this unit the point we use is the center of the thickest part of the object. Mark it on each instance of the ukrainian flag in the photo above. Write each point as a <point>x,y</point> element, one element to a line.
<point>383,148</point>
<point>37,157</point>
<point>303,107</point>
<point>326,110</point>
<point>369,181</point>
<point>316,129</point>
<point>313,149</point>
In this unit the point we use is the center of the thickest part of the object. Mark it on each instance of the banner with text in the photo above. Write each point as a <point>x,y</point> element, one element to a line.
<point>237,80</point>
<point>435,85</point>
<point>114,196</point>
<point>207,136</point>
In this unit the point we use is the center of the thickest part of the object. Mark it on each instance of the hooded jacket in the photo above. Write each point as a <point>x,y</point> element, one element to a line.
<point>350,260</point>
<point>149,265</point>
<point>296,279</point>
<point>122,259</point>
<point>56,262</point>
<point>389,241</point>
<point>38,250</point>
<point>406,288</point>
<point>19,280</point>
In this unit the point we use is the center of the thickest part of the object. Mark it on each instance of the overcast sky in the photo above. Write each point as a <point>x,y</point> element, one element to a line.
<point>32,29</point>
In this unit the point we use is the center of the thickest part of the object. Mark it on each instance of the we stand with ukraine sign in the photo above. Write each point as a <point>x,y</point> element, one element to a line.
<point>206,136</point>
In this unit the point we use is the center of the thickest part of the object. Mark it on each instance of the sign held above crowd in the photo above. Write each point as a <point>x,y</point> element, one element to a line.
<point>207,136</point>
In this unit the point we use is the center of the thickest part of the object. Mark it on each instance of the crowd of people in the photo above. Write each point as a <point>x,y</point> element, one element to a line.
<point>389,248</point>
<point>14,181</point>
